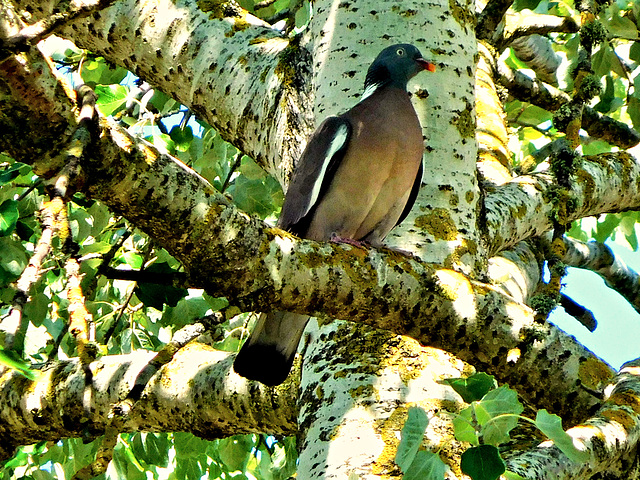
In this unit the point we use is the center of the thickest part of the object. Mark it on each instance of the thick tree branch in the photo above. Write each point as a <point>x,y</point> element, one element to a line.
<point>538,54</point>
<point>194,392</point>
<point>214,53</point>
<point>490,19</point>
<point>523,207</point>
<point>32,34</point>
<point>494,157</point>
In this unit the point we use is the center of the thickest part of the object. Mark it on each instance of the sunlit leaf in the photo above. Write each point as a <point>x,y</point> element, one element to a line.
<point>426,466</point>
<point>497,414</point>
<point>551,426</point>
<point>473,387</point>
<point>111,98</point>
<point>411,437</point>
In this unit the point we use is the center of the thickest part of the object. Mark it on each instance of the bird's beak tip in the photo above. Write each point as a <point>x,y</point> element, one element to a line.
<point>426,65</point>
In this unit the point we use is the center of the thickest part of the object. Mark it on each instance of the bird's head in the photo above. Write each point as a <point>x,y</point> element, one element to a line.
<point>395,65</point>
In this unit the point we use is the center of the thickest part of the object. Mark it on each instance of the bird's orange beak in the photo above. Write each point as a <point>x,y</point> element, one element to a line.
<point>426,65</point>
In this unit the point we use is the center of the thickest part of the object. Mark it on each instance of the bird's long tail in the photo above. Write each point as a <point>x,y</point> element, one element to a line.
<point>268,353</point>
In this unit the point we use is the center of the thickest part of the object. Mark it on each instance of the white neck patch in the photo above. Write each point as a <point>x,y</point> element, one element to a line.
<point>370,90</point>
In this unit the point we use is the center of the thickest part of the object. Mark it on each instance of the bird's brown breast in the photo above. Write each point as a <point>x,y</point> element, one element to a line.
<point>372,184</point>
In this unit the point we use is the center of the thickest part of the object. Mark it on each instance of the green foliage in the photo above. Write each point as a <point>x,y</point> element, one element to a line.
<point>411,437</point>
<point>11,360</point>
<point>486,424</point>
<point>544,303</point>
<point>417,464</point>
<point>592,34</point>
<point>551,426</point>
<point>482,463</point>
<point>8,217</point>
<point>473,387</point>
<point>111,98</point>
<point>426,466</point>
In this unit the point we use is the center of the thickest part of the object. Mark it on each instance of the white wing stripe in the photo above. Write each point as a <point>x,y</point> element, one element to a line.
<point>336,144</point>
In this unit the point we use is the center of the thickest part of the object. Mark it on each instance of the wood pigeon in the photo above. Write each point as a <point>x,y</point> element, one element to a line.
<point>358,177</point>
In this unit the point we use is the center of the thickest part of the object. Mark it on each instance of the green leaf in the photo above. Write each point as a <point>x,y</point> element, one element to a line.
<point>473,387</point>
<point>235,451</point>
<point>152,448</point>
<point>11,360</point>
<point>187,310</point>
<point>634,52</point>
<point>163,142</point>
<point>463,426</point>
<point>260,196</point>
<point>111,98</point>
<point>8,217</point>
<point>605,60</point>
<point>534,115</point>
<point>155,295</point>
<point>605,228</point>
<point>13,256</point>
<point>482,463</point>
<point>426,466</point>
<point>10,173</point>
<point>37,308</point>
<point>411,437</point>
<point>163,103</point>
<point>498,402</point>
<point>182,137</point>
<point>551,426</point>
<point>125,463</point>
<point>620,26</point>
<point>633,109</point>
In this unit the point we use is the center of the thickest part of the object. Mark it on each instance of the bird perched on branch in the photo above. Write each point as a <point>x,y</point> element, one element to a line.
<point>358,177</point>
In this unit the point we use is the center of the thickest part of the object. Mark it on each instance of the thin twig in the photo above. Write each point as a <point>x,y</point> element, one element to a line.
<point>579,312</point>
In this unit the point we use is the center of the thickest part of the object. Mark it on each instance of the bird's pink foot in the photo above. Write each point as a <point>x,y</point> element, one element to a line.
<point>350,241</point>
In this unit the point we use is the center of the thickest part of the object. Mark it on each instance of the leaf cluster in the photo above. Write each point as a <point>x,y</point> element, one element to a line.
<point>485,424</point>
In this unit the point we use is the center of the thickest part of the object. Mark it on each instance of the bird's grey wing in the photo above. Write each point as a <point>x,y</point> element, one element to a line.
<point>311,178</point>
<point>412,196</point>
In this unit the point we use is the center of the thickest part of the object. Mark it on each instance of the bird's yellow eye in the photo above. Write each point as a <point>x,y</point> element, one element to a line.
<point>400,52</point>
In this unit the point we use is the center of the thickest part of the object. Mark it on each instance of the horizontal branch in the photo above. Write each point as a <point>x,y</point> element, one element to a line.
<point>525,24</point>
<point>195,392</point>
<point>261,268</point>
<point>175,279</point>
<point>235,71</point>
<point>546,96</point>
<point>523,208</point>
<point>490,19</point>
<point>32,34</point>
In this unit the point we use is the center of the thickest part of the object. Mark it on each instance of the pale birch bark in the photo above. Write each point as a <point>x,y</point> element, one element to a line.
<point>356,383</point>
